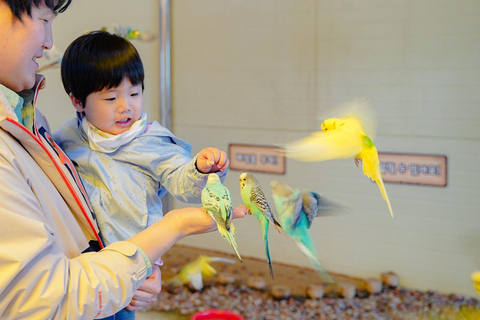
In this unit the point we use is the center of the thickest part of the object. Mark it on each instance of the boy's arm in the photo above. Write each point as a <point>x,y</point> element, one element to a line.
<point>185,182</point>
<point>168,161</point>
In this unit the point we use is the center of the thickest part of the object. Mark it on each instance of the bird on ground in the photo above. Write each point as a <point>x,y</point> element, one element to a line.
<point>256,202</point>
<point>348,135</point>
<point>218,203</point>
<point>476,281</point>
<point>193,272</point>
<point>296,210</point>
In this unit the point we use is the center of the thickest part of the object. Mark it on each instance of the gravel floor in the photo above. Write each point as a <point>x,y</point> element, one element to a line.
<point>242,298</point>
<point>391,303</point>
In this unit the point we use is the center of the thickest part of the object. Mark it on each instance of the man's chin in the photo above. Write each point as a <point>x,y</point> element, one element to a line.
<point>27,84</point>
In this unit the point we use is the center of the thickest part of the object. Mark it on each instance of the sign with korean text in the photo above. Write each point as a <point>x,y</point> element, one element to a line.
<point>421,169</point>
<point>256,158</point>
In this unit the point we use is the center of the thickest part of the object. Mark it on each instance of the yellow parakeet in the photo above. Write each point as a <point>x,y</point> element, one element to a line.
<point>349,135</point>
<point>476,281</point>
<point>193,272</point>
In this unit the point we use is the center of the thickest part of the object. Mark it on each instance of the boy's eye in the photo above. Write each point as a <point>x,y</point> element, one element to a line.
<point>110,99</point>
<point>134,94</point>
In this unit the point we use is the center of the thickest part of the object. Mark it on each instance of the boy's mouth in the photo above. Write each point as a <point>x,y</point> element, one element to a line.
<point>124,121</point>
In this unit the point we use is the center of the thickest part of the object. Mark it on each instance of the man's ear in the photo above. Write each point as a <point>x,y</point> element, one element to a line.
<point>77,104</point>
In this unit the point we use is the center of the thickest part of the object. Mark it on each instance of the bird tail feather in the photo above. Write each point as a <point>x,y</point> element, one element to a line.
<point>315,261</point>
<point>267,251</point>
<point>230,236</point>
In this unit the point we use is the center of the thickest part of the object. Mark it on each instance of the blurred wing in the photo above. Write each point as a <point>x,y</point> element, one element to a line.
<point>196,280</point>
<point>310,205</point>
<point>320,146</point>
<point>288,201</point>
<point>219,259</point>
<point>371,168</point>
<point>208,270</point>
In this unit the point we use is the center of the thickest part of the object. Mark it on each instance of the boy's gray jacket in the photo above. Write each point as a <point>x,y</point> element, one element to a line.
<point>45,224</point>
<point>125,187</point>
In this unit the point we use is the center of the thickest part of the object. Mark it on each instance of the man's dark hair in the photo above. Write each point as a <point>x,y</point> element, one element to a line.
<point>99,60</point>
<point>19,7</point>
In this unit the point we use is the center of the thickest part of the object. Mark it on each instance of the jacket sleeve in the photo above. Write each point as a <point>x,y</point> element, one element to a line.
<point>43,274</point>
<point>168,161</point>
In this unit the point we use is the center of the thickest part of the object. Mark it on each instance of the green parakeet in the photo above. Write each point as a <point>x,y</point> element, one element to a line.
<point>193,272</point>
<point>296,211</point>
<point>344,137</point>
<point>217,202</point>
<point>256,202</point>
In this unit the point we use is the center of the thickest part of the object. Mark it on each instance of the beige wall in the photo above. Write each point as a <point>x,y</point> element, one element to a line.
<point>260,72</point>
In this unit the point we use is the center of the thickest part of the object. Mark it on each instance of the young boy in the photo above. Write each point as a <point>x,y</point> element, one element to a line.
<point>126,164</point>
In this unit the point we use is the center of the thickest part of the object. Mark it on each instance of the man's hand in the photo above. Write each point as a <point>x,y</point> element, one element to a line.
<point>148,291</point>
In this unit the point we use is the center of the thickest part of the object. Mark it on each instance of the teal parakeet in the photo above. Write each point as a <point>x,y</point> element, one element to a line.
<point>193,272</point>
<point>256,202</point>
<point>296,211</point>
<point>217,202</point>
<point>346,136</point>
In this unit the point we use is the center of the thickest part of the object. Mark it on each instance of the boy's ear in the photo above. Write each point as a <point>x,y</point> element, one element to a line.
<point>77,104</point>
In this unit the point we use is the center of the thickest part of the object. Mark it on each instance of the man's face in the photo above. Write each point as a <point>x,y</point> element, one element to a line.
<point>21,43</point>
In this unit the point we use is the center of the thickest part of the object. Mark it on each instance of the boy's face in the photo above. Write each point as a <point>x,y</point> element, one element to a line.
<point>21,43</point>
<point>114,110</point>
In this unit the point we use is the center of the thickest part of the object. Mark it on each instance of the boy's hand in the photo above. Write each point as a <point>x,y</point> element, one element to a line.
<point>211,160</point>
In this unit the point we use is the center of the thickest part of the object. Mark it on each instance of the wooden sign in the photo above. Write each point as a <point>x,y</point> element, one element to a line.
<point>256,158</point>
<point>429,170</point>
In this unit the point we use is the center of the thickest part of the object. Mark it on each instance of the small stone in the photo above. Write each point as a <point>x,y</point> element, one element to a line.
<point>362,294</point>
<point>390,279</point>
<point>172,288</point>
<point>225,278</point>
<point>257,283</point>
<point>315,291</point>
<point>280,292</point>
<point>346,290</point>
<point>373,285</point>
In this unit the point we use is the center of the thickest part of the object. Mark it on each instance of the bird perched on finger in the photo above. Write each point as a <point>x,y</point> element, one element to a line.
<point>296,211</point>
<point>217,202</point>
<point>193,272</point>
<point>349,135</point>
<point>256,202</point>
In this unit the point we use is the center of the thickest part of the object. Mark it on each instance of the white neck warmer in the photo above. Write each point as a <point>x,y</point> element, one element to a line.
<point>108,143</point>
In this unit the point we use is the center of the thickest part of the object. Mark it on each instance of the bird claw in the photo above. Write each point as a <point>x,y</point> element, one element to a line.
<point>249,212</point>
<point>357,162</point>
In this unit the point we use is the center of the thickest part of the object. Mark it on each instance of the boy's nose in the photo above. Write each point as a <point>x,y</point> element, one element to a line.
<point>124,106</point>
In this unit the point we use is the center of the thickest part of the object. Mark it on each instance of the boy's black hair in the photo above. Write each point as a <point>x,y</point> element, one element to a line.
<point>99,60</point>
<point>19,7</point>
